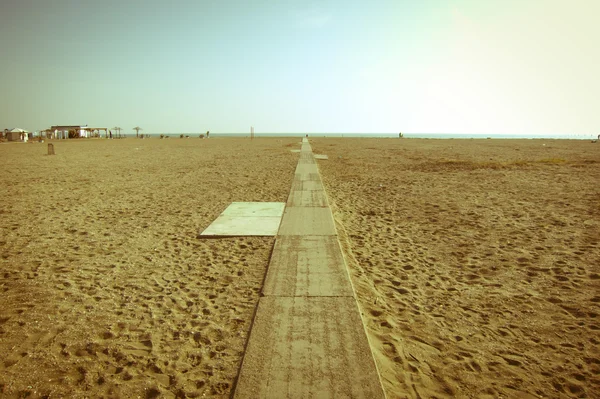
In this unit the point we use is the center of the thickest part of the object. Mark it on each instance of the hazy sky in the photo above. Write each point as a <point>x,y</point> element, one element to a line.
<point>464,66</point>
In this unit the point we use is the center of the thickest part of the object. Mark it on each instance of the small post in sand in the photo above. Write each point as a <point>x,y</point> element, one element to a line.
<point>50,149</point>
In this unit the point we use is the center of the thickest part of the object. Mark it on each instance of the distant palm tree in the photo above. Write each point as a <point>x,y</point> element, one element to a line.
<point>137,131</point>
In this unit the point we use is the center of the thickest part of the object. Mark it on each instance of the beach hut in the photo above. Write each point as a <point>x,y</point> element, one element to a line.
<point>16,134</point>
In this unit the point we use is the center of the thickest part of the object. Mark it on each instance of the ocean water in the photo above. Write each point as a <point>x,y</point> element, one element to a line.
<point>563,136</point>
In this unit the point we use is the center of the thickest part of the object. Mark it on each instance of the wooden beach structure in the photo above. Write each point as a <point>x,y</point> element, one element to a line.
<point>62,132</point>
<point>307,338</point>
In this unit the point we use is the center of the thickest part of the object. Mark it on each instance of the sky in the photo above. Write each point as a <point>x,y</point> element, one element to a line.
<point>381,66</point>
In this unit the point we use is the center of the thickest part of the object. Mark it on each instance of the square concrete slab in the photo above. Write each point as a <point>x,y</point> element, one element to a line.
<point>307,266</point>
<point>316,198</point>
<point>307,221</point>
<point>308,348</point>
<point>255,209</point>
<point>247,219</point>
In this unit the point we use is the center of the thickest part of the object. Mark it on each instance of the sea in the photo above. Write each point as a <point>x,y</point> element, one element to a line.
<point>559,136</point>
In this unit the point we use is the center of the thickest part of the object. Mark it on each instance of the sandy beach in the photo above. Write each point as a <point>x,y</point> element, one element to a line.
<point>106,289</point>
<point>475,263</point>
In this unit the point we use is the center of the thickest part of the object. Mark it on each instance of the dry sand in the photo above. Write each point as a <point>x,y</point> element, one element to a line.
<point>106,291</point>
<point>476,262</point>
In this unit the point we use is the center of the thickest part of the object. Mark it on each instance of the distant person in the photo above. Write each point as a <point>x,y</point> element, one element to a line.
<point>110,133</point>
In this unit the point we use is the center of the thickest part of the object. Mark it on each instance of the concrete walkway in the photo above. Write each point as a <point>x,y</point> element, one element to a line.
<point>307,338</point>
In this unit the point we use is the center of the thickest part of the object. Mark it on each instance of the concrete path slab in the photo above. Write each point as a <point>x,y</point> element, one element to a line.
<point>320,156</point>
<point>308,348</point>
<point>307,266</point>
<point>307,185</point>
<point>307,221</point>
<point>316,198</point>
<point>306,176</point>
<point>307,168</point>
<point>306,157</point>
